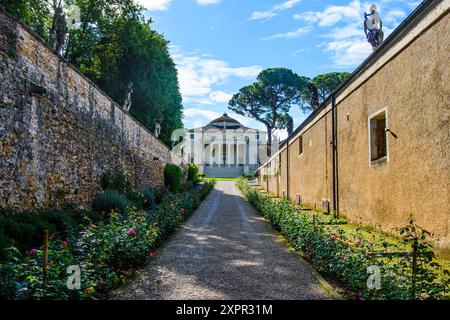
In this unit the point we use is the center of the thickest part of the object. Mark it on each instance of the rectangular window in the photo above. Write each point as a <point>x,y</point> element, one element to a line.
<point>300,145</point>
<point>378,137</point>
<point>192,136</point>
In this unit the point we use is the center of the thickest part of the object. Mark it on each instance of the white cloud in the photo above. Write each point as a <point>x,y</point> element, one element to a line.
<point>155,5</point>
<point>206,2</point>
<point>343,27</point>
<point>266,15</point>
<point>333,14</point>
<point>198,77</point>
<point>290,35</point>
<point>220,97</point>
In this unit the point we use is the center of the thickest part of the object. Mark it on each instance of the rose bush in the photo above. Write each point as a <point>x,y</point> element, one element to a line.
<point>104,251</point>
<point>346,256</point>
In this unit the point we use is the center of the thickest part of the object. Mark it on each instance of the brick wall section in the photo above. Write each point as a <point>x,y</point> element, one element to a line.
<point>65,139</point>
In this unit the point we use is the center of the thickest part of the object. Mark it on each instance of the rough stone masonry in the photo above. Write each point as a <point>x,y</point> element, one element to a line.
<point>58,132</point>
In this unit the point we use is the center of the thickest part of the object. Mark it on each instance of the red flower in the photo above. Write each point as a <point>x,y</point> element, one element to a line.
<point>65,244</point>
<point>52,237</point>
<point>132,232</point>
<point>153,254</point>
<point>342,257</point>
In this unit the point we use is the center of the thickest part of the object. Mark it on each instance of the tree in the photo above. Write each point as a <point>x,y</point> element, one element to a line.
<point>326,84</point>
<point>270,98</point>
<point>113,45</point>
<point>116,45</point>
<point>37,14</point>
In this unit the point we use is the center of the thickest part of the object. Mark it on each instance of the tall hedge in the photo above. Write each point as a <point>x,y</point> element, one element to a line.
<point>173,177</point>
<point>193,173</point>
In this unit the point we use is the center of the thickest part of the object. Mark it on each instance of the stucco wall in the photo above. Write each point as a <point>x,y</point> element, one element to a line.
<point>63,140</point>
<point>413,86</point>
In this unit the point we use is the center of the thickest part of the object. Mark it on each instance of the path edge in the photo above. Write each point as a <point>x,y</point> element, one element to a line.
<point>328,288</point>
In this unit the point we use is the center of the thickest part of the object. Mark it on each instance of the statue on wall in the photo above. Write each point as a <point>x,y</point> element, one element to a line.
<point>314,95</point>
<point>157,128</point>
<point>373,27</point>
<point>127,103</point>
<point>290,125</point>
<point>58,31</point>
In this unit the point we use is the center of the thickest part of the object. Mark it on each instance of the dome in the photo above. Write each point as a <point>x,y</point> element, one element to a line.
<point>225,122</point>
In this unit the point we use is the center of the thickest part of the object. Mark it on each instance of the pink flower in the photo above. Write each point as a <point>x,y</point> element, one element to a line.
<point>33,251</point>
<point>342,257</point>
<point>132,232</point>
<point>65,244</point>
<point>360,294</point>
<point>101,281</point>
<point>52,237</point>
<point>370,243</point>
<point>182,209</point>
<point>93,226</point>
<point>153,254</point>
<point>51,262</point>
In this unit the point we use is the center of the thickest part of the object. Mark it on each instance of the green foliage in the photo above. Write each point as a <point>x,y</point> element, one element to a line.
<point>143,199</point>
<point>347,256</point>
<point>326,84</point>
<point>116,45</point>
<point>118,181</point>
<point>24,230</point>
<point>37,14</point>
<point>173,177</point>
<point>105,252</point>
<point>110,201</point>
<point>193,173</point>
<point>270,98</point>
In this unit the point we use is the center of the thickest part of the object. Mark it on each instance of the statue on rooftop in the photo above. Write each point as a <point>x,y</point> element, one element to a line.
<point>58,31</point>
<point>373,27</point>
<point>290,125</point>
<point>127,104</point>
<point>314,95</point>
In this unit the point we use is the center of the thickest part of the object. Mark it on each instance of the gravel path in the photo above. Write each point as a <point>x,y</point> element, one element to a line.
<point>224,251</point>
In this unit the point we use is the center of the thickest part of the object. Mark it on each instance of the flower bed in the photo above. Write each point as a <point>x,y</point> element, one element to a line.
<point>351,258</point>
<point>105,252</point>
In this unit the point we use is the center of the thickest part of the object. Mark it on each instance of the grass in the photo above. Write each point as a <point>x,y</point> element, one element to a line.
<point>218,179</point>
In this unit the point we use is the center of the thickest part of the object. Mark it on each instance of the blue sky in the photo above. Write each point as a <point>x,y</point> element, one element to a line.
<point>220,46</point>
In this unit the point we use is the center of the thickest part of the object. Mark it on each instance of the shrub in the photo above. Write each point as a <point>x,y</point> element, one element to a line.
<point>118,181</point>
<point>346,256</point>
<point>143,198</point>
<point>104,252</point>
<point>110,201</point>
<point>160,195</point>
<point>193,173</point>
<point>173,177</point>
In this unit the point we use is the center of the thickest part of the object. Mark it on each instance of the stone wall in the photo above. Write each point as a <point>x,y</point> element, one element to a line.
<point>62,140</point>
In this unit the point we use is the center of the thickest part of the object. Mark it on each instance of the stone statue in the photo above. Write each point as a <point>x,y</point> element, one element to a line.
<point>157,128</point>
<point>290,125</point>
<point>58,31</point>
<point>127,103</point>
<point>314,95</point>
<point>373,27</point>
